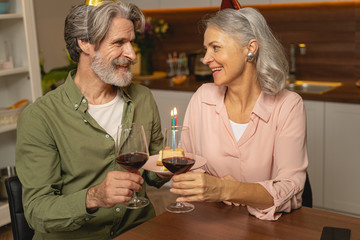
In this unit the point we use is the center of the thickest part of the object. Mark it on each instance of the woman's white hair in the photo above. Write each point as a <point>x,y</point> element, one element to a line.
<point>246,24</point>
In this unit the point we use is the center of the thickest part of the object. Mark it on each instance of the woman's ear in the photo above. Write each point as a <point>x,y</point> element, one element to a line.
<point>253,46</point>
<point>85,46</point>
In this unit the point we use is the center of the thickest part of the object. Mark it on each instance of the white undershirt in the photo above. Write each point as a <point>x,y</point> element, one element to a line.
<point>238,129</point>
<point>108,115</point>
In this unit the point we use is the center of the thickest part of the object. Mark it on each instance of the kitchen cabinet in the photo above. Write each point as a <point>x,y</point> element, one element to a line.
<point>22,81</point>
<point>333,139</point>
<point>315,111</point>
<point>342,157</point>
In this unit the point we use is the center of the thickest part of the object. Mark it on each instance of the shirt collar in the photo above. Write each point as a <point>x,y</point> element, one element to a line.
<point>125,93</point>
<point>78,100</point>
<point>263,106</point>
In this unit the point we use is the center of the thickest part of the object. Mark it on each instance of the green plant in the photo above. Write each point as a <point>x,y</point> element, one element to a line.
<point>56,76</point>
<point>154,29</point>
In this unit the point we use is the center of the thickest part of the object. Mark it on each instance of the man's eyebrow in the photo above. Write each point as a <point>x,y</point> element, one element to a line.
<point>121,40</point>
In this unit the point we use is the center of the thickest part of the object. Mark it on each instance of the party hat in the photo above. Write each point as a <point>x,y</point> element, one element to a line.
<point>230,4</point>
<point>94,2</point>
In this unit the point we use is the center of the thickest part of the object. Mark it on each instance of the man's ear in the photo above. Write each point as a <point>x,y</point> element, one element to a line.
<point>85,46</point>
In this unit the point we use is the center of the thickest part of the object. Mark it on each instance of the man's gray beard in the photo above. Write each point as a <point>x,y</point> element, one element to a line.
<point>109,74</point>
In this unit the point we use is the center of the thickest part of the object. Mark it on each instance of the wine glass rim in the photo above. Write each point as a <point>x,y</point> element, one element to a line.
<point>177,128</point>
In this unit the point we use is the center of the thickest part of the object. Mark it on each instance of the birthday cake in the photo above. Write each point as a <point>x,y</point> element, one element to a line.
<point>166,153</point>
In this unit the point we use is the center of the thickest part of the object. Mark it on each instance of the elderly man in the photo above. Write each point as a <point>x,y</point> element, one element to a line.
<point>65,157</point>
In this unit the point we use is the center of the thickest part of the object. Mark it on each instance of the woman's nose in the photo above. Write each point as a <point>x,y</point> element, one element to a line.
<point>207,58</point>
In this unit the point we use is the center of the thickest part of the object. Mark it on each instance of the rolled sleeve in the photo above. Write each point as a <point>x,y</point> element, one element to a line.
<point>291,161</point>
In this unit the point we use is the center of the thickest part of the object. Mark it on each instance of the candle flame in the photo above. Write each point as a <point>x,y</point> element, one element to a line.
<point>175,111</point>
<point>172,113</point>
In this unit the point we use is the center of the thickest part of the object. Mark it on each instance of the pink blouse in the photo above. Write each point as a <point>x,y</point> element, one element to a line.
<point>272,151</point>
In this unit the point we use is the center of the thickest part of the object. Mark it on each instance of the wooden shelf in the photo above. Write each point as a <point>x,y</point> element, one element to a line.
<point>11,16</point>
<point>17,70</point>
<point>23,81</point>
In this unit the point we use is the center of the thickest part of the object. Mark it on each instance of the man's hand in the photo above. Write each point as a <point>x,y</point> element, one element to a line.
<point>116,188</point>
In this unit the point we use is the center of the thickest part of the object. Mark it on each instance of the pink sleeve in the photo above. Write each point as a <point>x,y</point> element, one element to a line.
<point>291,161</point>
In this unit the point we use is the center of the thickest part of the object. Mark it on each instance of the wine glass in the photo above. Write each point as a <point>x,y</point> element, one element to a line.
<point>132,153</point>
<point>178,157</point>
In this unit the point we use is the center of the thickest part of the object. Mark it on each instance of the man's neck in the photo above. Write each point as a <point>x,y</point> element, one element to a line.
<point>92,87</point>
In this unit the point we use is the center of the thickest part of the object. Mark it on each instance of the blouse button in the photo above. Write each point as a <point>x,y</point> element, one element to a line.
<point>117,209</point>
<point>107,136</point>
<point>84,100</point>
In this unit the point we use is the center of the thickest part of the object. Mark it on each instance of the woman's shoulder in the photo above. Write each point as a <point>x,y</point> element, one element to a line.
<point>210,93</point>
<point>209,87</point>
<point>288,96</point>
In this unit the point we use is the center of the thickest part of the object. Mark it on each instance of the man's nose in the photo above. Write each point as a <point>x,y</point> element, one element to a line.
<point>129,51</point>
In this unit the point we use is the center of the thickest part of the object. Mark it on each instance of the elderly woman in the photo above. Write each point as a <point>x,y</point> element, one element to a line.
<point>250,129</point>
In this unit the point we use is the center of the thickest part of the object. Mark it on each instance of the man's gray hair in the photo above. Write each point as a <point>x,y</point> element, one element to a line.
<point>246,24</point>
<point>91,23</point>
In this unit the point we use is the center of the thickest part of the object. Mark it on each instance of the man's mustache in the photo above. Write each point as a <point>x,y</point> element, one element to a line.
<point>123,62</point>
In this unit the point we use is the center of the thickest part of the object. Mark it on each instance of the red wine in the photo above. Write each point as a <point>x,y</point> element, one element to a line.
<point>178,164</point>
<point>132,161</point>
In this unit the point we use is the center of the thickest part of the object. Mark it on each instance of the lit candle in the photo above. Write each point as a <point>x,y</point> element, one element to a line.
<point>175,116</point>
<point>172,118</point>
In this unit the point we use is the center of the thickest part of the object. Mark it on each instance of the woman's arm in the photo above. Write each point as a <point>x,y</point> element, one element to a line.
<point>202,187</point>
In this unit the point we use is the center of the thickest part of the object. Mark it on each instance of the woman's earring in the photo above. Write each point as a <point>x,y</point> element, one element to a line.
<point>250,57</point>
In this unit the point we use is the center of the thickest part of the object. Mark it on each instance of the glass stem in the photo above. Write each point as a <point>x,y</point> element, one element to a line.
<point>134,197</point>
<point>179,204</point>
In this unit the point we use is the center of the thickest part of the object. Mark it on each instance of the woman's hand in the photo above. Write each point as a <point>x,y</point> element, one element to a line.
<point>230,177</point>
<point>198,187</point>
<point>201,187</point>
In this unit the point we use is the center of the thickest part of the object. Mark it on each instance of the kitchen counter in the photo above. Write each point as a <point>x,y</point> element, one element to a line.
<point>347,93</point>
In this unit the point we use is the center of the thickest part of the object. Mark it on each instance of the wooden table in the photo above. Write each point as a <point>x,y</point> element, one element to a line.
<point>216,221</point>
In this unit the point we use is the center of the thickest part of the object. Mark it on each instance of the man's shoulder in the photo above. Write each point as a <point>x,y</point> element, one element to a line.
<point>138,88</point>
<point>138,92</point>
<point>42,104</point>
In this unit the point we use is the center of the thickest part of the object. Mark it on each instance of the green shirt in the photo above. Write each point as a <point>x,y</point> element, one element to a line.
<point>62,151</point>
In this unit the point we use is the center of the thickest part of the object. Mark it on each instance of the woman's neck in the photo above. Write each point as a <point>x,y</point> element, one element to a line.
<point>240,99</point>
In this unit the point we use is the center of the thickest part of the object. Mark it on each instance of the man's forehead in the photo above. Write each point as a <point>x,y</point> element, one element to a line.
<point>121,23</point>
<point>121,28</point>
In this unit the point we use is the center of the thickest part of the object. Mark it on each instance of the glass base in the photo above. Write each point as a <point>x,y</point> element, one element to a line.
<point>135,203</point>
<point>179,207</point>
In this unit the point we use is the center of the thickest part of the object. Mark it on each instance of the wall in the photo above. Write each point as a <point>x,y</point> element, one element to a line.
<point>329,29</point>
<point>50,16</point>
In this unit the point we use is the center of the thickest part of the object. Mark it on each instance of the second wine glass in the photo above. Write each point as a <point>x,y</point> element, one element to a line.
<point>178,156</point>
<point>132,153</point>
